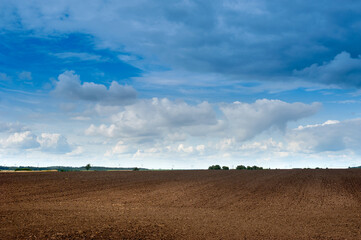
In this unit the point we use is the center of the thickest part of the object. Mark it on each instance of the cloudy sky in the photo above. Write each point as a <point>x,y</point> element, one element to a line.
<point>180,84</point>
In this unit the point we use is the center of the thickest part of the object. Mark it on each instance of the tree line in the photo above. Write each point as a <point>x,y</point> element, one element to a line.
<point>239,167</point>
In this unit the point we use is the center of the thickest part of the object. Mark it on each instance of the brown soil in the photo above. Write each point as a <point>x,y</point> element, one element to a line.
<point>268,204</point>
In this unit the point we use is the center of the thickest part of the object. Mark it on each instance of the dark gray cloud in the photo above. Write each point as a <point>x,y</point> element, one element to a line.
<point>257,40</point>
<point>69,86</point>
<point>343,70</point>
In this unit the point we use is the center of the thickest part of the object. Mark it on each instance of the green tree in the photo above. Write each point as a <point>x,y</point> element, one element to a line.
<point>241,167</point>
<point>225,168</point>
<point>87,167</point>
<point>214,167</point>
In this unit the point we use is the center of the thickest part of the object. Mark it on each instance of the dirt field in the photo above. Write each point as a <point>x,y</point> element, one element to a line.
<point>268,204</point>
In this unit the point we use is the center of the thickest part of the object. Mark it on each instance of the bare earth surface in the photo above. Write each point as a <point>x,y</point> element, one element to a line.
<point>268,204</point>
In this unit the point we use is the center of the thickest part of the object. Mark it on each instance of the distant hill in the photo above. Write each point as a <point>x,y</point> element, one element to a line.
<point>68,169</point>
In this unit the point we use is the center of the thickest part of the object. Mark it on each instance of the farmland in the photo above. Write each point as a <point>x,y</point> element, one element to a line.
<point>202,204</point>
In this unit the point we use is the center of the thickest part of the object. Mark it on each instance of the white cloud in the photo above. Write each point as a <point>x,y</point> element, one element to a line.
<point>154,150</point>
<point>329,136</point>
<point>69,86</point>
<point>248,120</point>
<point>106,110</point>
<point>46,142</point>
<point>53,142</point>
<point>81,118</point>
<point>4,77</point>
<point>25,76</point>
<point>20,140</point>
<point>127,58</point>
<point>121,148</point>
<point>156,117</point>
<point>225,144</point>
<point>12,127</point>
<point>164,129</point>
<point>328,122</point>
<point>78,151</point>
<point>200,148</point>
<point>182,148</point>
<point>162,123</point>
<point>81,56</point>
<point>266,145</point>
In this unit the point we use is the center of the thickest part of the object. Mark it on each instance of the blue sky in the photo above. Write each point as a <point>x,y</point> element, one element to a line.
<point>186,84</point>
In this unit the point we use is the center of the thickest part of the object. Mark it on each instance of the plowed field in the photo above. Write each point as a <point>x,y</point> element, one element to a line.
<point>266,204</point>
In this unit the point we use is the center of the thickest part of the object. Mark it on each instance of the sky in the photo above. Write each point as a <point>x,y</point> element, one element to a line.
<point>180,84</point>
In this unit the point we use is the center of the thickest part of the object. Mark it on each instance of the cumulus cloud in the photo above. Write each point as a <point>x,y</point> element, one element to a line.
<point>76,152</point>
<point>20,140</point>
<point>175,121</point>
<point>46,142</point>
<point>155,117</point>
<point>249,40</point>
<point>182,148</point>
<point>247,120</point>
<point>329,136</point>
<point>153,150</point>
<point>249,147</point>
<point>343,70</point>
<point>53,142</point>
<point>120,148</point>
<point>70,86</point>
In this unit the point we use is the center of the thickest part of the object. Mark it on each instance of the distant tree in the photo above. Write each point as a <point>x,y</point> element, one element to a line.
<point>23,169</point>
<point>256,168</point>
<point>214,167</point>
<point>87,167</point>
<point>225,168</point>
<point>135,169</point>
<point>241,167</point>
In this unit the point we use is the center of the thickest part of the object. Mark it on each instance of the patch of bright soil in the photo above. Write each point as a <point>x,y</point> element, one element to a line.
<point>265,204</point>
